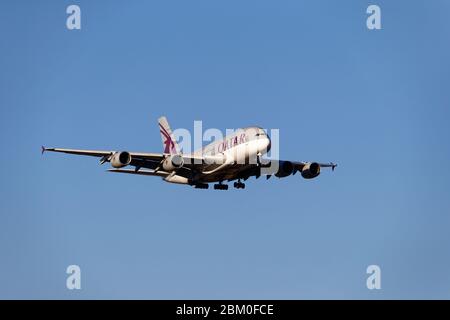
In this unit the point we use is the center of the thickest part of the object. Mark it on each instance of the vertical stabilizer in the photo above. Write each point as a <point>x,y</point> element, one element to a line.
<point>169,143</point>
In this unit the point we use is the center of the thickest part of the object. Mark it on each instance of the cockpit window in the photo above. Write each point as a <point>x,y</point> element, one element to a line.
<point>260,133</point>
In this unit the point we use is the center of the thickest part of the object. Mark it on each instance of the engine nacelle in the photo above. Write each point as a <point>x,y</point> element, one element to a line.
<point>173,162</point>
<point>120,159</point>
<point>310,170</point>
<point>285,168</point>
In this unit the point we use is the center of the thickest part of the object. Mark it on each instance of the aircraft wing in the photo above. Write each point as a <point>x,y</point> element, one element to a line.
<point>299,165</point>
<point>139,159</point>
<point>282,168</point>
<point>101,153</point>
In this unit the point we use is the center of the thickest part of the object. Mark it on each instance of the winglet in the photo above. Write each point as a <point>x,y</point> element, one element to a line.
<point>43,149</point>
<point>333,165</point>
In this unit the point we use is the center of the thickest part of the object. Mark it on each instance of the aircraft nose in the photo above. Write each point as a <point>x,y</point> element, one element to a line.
<point>268,144</point>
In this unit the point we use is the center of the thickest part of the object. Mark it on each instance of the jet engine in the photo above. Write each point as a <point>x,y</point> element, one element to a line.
<point>120,159</point>
<point>173,162</point>
<point>285,168</point>
<point>310,170</point>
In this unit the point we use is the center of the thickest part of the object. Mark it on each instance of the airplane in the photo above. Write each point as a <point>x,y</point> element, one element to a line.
<point>235,158</point>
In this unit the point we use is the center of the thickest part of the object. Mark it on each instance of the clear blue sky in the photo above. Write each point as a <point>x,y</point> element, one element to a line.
<point>376,102</point>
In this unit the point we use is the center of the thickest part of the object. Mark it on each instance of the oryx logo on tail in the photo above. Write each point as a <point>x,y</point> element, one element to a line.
<point>168,140</point>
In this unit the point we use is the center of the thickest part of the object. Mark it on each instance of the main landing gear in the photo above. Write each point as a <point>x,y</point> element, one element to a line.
<point>221,186</point>
<point>201,186</point>
<point>239,185</point>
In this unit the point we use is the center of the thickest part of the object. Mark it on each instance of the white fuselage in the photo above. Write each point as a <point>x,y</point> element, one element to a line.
<point>239,148</point>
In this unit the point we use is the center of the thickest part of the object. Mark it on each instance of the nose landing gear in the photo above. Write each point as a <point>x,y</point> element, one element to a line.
<point>239,184</point>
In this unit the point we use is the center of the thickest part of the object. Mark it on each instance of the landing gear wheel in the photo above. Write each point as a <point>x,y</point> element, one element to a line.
<point>239,185</point>
<point>220,186</point>
<point>201,186</point>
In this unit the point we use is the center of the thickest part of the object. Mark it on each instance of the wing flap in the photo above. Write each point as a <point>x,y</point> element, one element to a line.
<point>141,172</point>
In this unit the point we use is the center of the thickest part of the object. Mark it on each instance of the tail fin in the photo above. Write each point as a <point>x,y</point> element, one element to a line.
<point>168,140</point>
